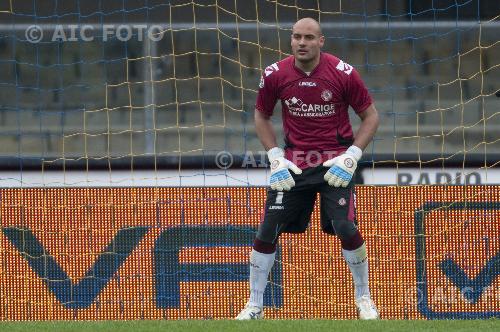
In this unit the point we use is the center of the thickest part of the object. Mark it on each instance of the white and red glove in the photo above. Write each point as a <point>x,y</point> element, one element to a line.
<point>281,179</point>
<point>342,167</point>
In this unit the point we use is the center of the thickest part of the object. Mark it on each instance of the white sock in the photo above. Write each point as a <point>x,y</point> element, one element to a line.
<point>357,260</point>
<point>260,266</point>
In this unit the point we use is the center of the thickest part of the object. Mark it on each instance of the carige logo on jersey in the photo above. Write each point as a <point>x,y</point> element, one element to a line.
<point>298,108</point>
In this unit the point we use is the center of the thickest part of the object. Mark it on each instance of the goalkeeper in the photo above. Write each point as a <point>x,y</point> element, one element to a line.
<point>320,156</point>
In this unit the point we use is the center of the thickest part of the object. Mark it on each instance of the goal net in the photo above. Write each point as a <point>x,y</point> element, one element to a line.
<point>132,180</point>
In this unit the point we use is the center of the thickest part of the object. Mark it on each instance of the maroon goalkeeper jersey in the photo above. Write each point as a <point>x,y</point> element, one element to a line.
<point>314,107</point>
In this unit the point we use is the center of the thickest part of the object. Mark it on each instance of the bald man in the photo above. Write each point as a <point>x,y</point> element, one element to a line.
<point>321,151</point>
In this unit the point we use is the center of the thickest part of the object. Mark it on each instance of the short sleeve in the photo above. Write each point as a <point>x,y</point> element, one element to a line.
<point>357,94</point>
<point>267,95</point>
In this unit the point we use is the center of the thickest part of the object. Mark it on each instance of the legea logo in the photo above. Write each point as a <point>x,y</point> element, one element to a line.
<point>270,69</point>
<point>345,67</point>
<point>311,84</point>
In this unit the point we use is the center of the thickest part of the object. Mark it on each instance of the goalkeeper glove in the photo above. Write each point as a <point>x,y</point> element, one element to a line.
<point>281,179</point>
<point>342,167</point>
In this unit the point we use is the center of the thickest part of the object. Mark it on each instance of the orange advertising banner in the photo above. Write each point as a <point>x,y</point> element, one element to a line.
<point>182,253</point>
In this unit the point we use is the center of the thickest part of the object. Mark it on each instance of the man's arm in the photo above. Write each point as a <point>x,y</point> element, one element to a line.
<point>280,179</point>
<point>368,127</point>
<point>265,130</point>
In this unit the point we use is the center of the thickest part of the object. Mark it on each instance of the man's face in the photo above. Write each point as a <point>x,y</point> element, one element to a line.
<point>307,41</point>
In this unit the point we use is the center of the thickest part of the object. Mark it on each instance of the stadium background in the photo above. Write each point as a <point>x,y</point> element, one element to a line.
<point>132,179</point>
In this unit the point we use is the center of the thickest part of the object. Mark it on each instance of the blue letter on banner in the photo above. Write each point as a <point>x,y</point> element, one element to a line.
<point>169,273</point>
<point>82,294</point>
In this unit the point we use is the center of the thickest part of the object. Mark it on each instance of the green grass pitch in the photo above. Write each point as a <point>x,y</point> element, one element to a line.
<point>259,326</point>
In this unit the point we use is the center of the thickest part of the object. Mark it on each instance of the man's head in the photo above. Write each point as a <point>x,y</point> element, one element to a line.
<point>307,41</point>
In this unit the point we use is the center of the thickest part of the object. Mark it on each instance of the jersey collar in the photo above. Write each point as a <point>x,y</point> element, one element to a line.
<point>321,56</point>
